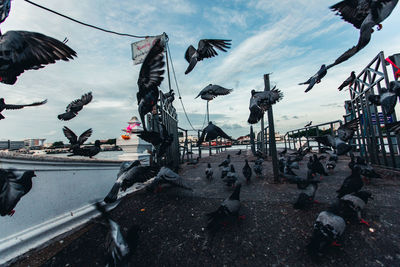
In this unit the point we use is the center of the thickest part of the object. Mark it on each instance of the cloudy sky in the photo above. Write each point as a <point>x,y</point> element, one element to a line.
<point>290,39</point>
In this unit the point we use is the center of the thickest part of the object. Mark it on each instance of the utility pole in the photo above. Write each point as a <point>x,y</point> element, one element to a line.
<point>271,127</point>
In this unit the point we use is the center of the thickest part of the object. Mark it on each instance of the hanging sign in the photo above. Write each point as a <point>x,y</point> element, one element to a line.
<point>141,48</point>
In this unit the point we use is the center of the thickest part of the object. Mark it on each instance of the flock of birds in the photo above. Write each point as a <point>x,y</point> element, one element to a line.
<point>22,50</point>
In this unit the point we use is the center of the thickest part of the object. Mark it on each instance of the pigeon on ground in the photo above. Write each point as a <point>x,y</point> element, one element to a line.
<point>167,177</point>
<point>258,169</point>
<point>129,174</point>
<point>150,78</point>
<point>353,204</point>
<point>294,164</point>
<point>239,152</point>
<point>348,82</point>
<point>4,106</point>
<point>308,124</point>
<point>12,188</point>
<point>367,171</point>
<point>317,167</point>
<point>387,98</point>
<point>226,162</point>
<point>119,247</point>
<point>352,183</point>
<point>231,178</point>
<point>247,172</point>
<point>261,102</point>
<point>227,211</point>
<point>307,194</point>
<point>224,171</point>
<point>75,106</point>
<point>331,163</point>
<point>209,172</point>
<point>283,152</point>
<point>160,140</point>
<point>291,176</point>
<point>211,132</point>
<point>316,78</point>
<point>211,91</point>
<point>205,49</point>
<point>76,143</point>
<point>328,228</point>
<point>364,15</point>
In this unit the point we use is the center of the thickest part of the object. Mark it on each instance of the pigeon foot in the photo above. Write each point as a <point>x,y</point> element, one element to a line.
<point>335,244</point>
<point>364,222</point>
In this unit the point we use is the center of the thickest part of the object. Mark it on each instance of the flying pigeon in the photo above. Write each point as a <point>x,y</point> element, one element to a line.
<point>226,162</point>
<point>211,91</point>
<point>353,204</point>
<point>308,124</point>
<point>231,178</point>
<point>120,247</point>
<point>4,106</point>
<point>150,78</point>
<point>247,172</point>
<point>328,228</point>
<point>352,183</point>
<point>75,106</point>
<point>76,143</point>
<point>129,174</point>
<point>261,102</point>
<point>227,211</point>
<point>307,194</point>
<point>209,172</point>
<point>5,6</point>
<point>387,98</point>
<point>166,177</point>
<point>211,132</point>
<point>348,82</point>
<point>12,188</point>
<point>316,78</point>
<point>205,49</point>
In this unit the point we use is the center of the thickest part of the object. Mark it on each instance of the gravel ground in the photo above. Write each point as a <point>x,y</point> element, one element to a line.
<point>272,234</point>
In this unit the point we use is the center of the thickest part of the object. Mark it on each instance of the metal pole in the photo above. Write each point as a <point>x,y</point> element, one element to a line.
<point>208,113</point>
<point>262,134</point>
<point>272,142</point>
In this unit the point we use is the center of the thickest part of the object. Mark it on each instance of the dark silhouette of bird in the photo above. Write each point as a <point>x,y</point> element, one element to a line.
<point>130,173</point>
<point>150,78</point>
<point>331,163</point>
<point>231,178</point>
<point>316,78</point>
<point>367,171</point>
<point>160,140</point>
<point>226,162</point>
<point>12,188</point>
<point>209,172</point>
<point>353,204</point>
<point>261,102</point>
<point>387,97</point>
<point>226,212</point>
<point>352,183</point>
<point>308,124</point>
<point>224,171</point>
<point>317,166</point>
<point>247,172</point>
<point>348,82</point>
<point>211,91</point>
<point>75,106</point>
<point>4,106</point>
<point>283,152</point>
<point>205,49</point>
<point>120,247</point>
<point>239,152</point>
<point>257,168</point>
<point>5,6</point>
<point>167,178</point>
<point>211,132</point>
<point>76,143</point>
<point>307,194</point>
<point>393,127</point>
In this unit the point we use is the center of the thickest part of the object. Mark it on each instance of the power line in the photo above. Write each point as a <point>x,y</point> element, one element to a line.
<point>85,24</point>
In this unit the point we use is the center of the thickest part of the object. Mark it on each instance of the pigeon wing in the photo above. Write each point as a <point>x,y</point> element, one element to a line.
<point>222,133</point>
<point>189,53</point>
<point>219,90</point>
<point>346,131</point>
<point>352,11</point>
<point>325,140</point>
<point>207,47</point>
<point>85,136</point>
<point>151,137</point>
<point>71,136</point>
<point>86,98</point>
<point>26,105</point>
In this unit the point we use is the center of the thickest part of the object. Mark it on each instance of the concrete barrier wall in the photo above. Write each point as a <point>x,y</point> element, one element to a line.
<point>61,198</point>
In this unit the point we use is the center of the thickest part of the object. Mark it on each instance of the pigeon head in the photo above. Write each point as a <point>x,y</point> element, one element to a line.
<point>229,156</point>
<point>29,174</point>
<point>208,165</point>
<point>253,92</point>
<point>97,143</point>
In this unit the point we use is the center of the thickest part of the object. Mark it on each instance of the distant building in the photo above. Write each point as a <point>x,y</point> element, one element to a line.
<point>34,143</point>
<point>190,138</point>
<point>11,145</point>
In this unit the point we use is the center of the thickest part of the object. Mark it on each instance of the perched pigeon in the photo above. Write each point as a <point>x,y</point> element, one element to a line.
<point>12,188</point>
<point>76,143</point>
<point>231,178</point>
<point>387,98</point>
<point>209,172</point>
<point>307,194</point>
<point>211,91</point>
<point>353,204</point>
<point>239,152</point>
<point>211,132</point>
<point>166,177</point>
<point>4,106</point>
<point>127,176</point>
<point>119,247</point>
<point>348,82</point>
<point>247,172</point>
<point>150,78</point>
<point>308,124</point>
<point>226,162</point>
<point>352,183</point>
<point>364,15</point>
<point>328,228</point>
<point>228,211</point>
<point>316,78</point>
<point>261,102</point>
<point>205,49</point>
<point>160,140</point>
<point>75,106</point>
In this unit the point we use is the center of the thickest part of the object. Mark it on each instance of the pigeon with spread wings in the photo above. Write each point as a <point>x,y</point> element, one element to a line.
<point>4,106</point>
<point>211,91</point>
<point>150,78</point>
<point>76,143</point>
<point>387,97</point>
<point>211,132</point>
<point>75,106</point>
<point>261,102</point>
<point>205,49</point>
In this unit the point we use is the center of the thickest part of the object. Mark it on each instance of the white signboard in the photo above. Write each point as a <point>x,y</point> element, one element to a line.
<point>141,48</point>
